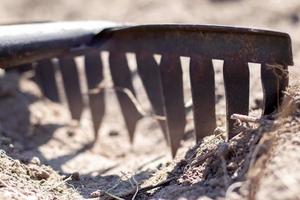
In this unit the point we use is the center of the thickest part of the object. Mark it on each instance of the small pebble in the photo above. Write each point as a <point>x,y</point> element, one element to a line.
<point>42,174</point>
<point>37,173</point>
<point>35,160</point>
<point>70,133</point>
<point>2,152</point>
<point>294,17</point>
<point>232,166</point>
<point>113,133</point>
<point>75,176</point>
<point>96,194</point>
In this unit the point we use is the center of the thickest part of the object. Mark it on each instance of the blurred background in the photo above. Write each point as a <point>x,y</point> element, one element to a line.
<point>235,12</point>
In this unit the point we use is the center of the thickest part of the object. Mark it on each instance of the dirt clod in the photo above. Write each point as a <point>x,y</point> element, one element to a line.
<point>75,176</point>
<point>35,160</point>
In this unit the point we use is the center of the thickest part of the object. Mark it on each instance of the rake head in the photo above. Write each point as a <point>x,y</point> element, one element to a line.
<point>48,46</point>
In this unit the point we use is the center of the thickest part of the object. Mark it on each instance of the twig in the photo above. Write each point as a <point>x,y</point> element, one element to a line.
<point>137,188</point>
<point>231,188</point>
<point>132,98</point>
<point>245,118</point>
<point>160,184</point>
<point>117,184</point>
<point>112,196</point>
<point>147,188</point>
<point>149,162</point>
<point>62,182</point>
<point>251,156</point>
<point>200,160</point>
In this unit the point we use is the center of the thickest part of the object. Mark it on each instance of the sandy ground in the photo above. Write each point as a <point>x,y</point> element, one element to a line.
<point>40,128</point>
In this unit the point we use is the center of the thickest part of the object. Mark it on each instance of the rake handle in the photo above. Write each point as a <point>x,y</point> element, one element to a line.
<point>26,43</point>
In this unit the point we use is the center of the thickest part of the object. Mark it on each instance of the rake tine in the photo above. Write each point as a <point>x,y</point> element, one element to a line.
<point>121,77</point>
<point>172,87</point>
<point>203,93</point>
<point>70,77</point>
<point>149,73</point>
<point>274,82</point>
<point>236,83</point>
<point>94,75</point>
<point>45,74</point>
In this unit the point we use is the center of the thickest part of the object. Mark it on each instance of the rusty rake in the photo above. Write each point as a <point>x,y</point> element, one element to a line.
<point>41,46</point>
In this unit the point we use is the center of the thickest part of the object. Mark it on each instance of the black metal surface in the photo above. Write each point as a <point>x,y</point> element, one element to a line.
<point>217,42</point>
<point>236,46</point>
<point>72,86</point>
<point>121,77</point>
<point>94,76</point>
<point>45,75</point>
<point>202,78</point>
<point>274,81</point>
<point>172,87</point>
<point>21,44</point>
<point>150,76</point>
<point>236,83</point>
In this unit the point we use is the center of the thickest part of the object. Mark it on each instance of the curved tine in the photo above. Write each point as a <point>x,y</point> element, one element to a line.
<point>236,82</point>
<point>121,77</point>
<point>70,77</point>
<point>203,93</point>
<point>149,73</point>
<point>172,87</point>
<point>274,81</point>
<point>45,74</point>
<point>94,75</point>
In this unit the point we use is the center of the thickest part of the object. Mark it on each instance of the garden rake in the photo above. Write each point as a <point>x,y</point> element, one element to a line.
<point>41,46</point>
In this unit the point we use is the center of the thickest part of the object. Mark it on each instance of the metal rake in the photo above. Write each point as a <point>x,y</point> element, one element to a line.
<point>41,44</point>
